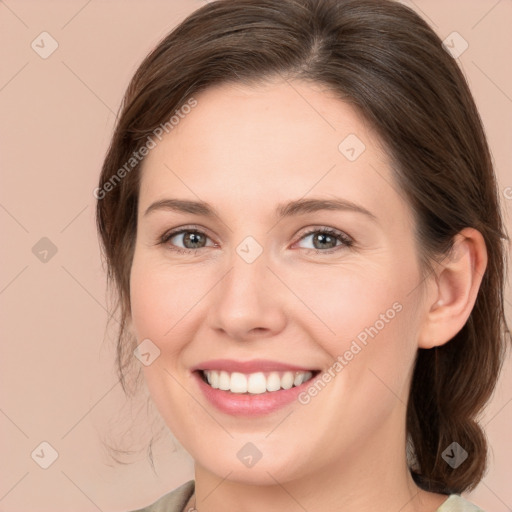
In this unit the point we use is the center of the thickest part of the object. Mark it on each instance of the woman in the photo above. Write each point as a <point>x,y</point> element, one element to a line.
<point>300,215</point>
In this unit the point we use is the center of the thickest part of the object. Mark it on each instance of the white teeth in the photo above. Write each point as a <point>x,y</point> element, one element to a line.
<point>307,376</point>
<point>287,380</point>
<point>214,380</point>
<point>224,380</point>
<point>238,383</point>
<point>255,383</point>
<point>273,382</point>
<point>297,381</point>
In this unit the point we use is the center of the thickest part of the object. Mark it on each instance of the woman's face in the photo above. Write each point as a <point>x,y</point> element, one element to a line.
<point>253,291</point>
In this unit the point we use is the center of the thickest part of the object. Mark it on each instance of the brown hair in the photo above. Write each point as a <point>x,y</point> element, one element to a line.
<point>385,59</point>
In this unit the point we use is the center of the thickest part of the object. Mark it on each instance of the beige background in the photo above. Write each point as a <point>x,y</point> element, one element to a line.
<point>58,383</point>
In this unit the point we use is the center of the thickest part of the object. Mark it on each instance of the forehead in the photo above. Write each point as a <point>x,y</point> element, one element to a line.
<point>255,146</point>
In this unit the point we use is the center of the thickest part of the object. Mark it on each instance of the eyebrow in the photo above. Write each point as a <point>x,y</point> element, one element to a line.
<point>292,208</point>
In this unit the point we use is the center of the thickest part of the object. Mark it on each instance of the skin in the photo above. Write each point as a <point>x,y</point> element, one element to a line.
<point>244,150</point>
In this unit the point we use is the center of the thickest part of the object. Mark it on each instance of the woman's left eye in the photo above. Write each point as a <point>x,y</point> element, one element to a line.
<point>325,240</point>
<point>327,237</point>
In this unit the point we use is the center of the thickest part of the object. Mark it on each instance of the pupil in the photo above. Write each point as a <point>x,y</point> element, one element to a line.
<point>324,238</point>
<point>193,238</point>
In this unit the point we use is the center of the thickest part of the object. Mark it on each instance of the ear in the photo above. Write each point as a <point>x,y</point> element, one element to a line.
<point>452,289</point>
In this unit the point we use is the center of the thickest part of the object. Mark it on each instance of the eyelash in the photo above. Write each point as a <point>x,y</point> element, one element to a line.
<point>345,240</point>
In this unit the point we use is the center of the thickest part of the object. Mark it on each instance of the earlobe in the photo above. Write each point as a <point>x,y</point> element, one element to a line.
<point>455,288</point>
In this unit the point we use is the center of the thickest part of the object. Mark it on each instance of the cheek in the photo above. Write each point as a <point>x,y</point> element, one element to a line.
<point>159,304</point>
<point>160,297</point>
<point>372,354</point>
<point>339,303</point>
<point>147,300</point>
<point>377,350</point>
<point>364,318</point>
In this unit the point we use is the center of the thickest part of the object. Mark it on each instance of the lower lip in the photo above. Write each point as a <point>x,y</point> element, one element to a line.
<point>249,405</point>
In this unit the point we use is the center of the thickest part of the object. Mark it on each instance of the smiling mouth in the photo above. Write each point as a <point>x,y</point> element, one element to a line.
<point>255,383</point>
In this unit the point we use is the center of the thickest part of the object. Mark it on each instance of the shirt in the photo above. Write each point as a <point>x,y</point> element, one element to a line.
<point>177,499</point>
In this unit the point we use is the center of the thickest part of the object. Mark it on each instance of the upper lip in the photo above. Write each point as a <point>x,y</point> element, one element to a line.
<point>252,366</point>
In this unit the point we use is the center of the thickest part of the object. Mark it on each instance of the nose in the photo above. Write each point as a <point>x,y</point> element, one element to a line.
<point>249,301</point>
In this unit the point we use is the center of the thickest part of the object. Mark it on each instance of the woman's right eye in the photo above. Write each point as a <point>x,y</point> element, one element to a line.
<point>188,237</point>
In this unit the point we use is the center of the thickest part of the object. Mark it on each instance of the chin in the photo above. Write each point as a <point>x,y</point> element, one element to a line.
<point>266,470</point>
